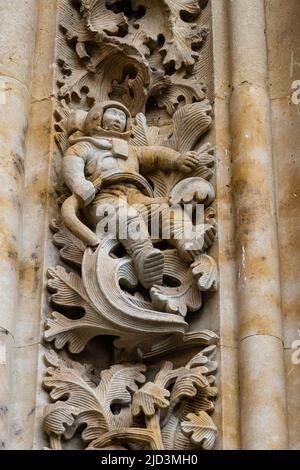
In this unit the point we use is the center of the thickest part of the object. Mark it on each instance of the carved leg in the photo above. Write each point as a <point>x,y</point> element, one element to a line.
<point>175,226</point>
<point>148,261</point>
<point>130,228</point>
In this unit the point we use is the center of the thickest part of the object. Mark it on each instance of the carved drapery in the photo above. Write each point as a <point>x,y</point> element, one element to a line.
<point>146,56</point>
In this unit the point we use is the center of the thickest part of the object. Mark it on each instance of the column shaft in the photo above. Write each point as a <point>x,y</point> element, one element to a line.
<point>17,39</point>
<point>263,405</point>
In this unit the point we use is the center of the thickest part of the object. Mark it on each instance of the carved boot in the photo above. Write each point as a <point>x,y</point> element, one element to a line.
<point>148,261</point>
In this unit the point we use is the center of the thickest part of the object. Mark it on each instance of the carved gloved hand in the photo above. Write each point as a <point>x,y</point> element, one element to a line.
<point>187,162</point>
<point>86,192</point>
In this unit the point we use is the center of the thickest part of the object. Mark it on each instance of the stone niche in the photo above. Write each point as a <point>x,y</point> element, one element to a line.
<point>121,121</point>
<point>129,354</point>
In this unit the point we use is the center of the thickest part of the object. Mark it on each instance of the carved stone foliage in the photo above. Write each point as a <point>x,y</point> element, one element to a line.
<point>107,287</point>
<point>131,51</point>
<point>119,64</point>
<point>121,409</point>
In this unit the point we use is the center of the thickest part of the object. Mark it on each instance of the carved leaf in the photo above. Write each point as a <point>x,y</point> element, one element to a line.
<point>203,358</point>
<point>93,62</point>
<point>142,135</point>
<point>79,401</point>
<point>205,168</point>
<point>192,190</point>
<point>140,436</point>
<point>62,115</point>
<point>185,296</point>
<point>201,430</point>
<point>106,50</point>
<point>188,383</point>
<point>173,18</point>
<point>71,248</point>
<point>190,123</point>
<point>210,228</point>
<point>119,383</point>
<point>70,382</point>
<point>89,404</point>
<point>110,66</point>
<point>150,398</point>
<point>163,184</point>
<point>189,395</point>
<point>187,36</point>
<point>152,8</point>
<point>68,291</point>
<point>179,92</point>
<point>206,271</point>
<point>130,317</point>
<point>100,19</point>
<point>174,344</point>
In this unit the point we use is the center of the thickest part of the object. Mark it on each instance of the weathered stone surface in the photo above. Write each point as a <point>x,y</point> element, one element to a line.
<point>7,345</point>
<point>247,52</point>
<point>258,283</point>
<point>284,59</point>
<point>17,39</point>
<point>131,137</point>
<point>13,125</point>
<point>262,373</point>
<point>16,58</point>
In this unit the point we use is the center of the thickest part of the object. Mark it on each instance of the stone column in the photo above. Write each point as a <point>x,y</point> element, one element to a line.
<point>228,329</point>
<point>17,42</point>
<point>262,383</point>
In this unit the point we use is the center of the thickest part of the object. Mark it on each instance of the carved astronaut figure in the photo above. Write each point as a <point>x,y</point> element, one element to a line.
<point>102,169</point>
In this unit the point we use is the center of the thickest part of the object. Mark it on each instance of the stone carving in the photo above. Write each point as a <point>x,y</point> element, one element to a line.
<point>121,409</point>
<point>131,122</point>
<point>99,177</point>
<point>108,176</point>
<point>132,51</point>
<point>110,310</point>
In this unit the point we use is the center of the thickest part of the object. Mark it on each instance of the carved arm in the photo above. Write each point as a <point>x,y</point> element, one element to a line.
<point>73,172</point>
<point>165,159</point>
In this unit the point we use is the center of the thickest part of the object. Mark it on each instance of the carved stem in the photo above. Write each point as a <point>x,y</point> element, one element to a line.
<point>55,442</point>
<point>153,424</point>
<point>140,436</point>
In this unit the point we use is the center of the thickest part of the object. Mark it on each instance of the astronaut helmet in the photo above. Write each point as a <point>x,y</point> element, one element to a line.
<point>110,118</point>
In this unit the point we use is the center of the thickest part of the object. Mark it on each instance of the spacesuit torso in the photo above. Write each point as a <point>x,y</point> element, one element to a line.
<point>103,156</point>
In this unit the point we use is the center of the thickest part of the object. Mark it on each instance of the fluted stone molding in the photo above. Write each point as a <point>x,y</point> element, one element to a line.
<point>227,315</point>
<point>263,402</point>
<point>17,40</point>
